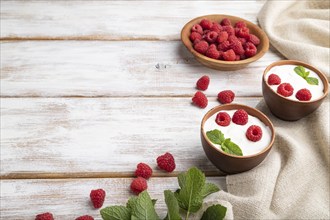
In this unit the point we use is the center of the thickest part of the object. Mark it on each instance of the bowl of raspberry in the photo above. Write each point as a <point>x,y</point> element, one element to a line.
<point>293,89</point>
<point>224,42</point>
<point>236,138</point>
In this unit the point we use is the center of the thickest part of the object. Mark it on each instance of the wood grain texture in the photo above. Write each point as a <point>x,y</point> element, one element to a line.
<point>100,137</point>
<point>103,68</point>
<point>111,20</point>
<point>68,199</point>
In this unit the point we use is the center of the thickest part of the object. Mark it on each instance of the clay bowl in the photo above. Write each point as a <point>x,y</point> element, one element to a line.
<point>221,64</point>
<point>228,163</point>
<point>287,109</point>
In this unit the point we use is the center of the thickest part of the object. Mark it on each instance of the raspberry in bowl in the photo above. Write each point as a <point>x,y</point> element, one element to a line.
<point>224,42</point>
<point>235,137</point>
<point>293,89</point>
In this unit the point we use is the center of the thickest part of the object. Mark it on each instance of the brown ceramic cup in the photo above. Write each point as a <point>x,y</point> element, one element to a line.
<point>287,109</point>
<point>228,163</point>
<point>221,64</point>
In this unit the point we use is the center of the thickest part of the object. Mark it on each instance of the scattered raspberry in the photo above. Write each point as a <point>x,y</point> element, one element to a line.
<point>254,133</point>
<point>229,55</point>
<point>212,52</point>
<point>274,79</point>
<point>166,162</point>
<point>85,217</point>
<point>223,36</point>
<point>211,36</point>
<point>197,28</point>
<point>206,24</point>
<point>203,83</point>
<point>200,99</point>
<point>97,197</point>
<point>194,36</point>
<point>216,27</point>
<point>240,24</point>
<point>254,39</point>
<point>201,47</point>
<point>143,170</point>
<point>45,216</point>
<point>224,46</point>
<point>223,119</point>
<point>304,95</point>
<point>240,117</point>
<point>138,185</point>
<point>225,22</point>
<point>226,96</point>
<point>285,89</point>
<point>250,49</point>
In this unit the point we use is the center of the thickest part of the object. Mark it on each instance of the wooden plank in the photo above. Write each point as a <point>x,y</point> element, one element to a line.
<point>100,137</point>
<point>111,20</point>
<point>68,199</point>
<point>102,68</point>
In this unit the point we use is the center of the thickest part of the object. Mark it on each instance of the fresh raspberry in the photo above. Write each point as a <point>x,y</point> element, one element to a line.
<point>229,29</point>
<point>200,99</point>
<point>240,24</point>
<point>216,27</point>
<point>211,36</point>
<point>242,40</point>
<point>237,47</point>
<point>243,57</point>
<point>240,117</point>
<point>143,170</point>
<point>232,39</point>
<point>196,41</point>
<point>226,96</point>
<point>223,36</point>
<point>197,28</point>
<point>250,49</point>
<point>224,46</point>
<point>138,185</point>
<point>206,24</point>
<point>285,89</point>
<point>166,162</point>
<point>304,95</point>
<point>203,83</point>
<point>254,133</point>
<point>254,39</point>
<point>223,119</point>
<point>201,47</point>
<point>229,55</point>
<point>45,216</point>
<point>243,32</point>
<point>85,217</point>
<point>225,22</point>
<point>212,52</point>
<point>274,79</point>
<point>97,197</point>
<point>238,57</point>
<point>195,35</point>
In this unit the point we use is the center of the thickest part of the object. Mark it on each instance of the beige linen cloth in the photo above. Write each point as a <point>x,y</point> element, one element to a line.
<point>293,181</point>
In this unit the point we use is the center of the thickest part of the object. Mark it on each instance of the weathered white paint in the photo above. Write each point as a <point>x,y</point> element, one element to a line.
<point>111,19</point>
<point>110,135</point>
<point>120,68</point>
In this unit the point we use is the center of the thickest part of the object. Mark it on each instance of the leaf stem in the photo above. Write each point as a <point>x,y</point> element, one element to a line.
<point>187,215</point>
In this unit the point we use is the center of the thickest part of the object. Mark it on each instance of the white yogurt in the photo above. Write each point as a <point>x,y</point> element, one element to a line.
<point>237,133</point>
<point>288,75</point>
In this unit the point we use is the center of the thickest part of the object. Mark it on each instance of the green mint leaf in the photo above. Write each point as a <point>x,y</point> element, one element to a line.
<point>131,202</point>
<point>190,197</point>
<point>214,212</point>
<point>115,213</point>
<point>209,188</point>
<point>300,70</point>
<point>143,208</point>
<point>215,136</point>
<point>172,206</point>
<point>231,148</point>
<point>182,179</point>
<point>312,81</point>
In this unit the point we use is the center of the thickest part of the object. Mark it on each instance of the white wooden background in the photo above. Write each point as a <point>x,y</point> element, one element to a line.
<point>91,88</point>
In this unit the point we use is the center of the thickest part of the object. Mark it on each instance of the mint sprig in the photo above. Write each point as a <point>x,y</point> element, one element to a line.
<point>189,198</point>
<point>301,71</point>
<point>217,137</point>
<point>214,212</point>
